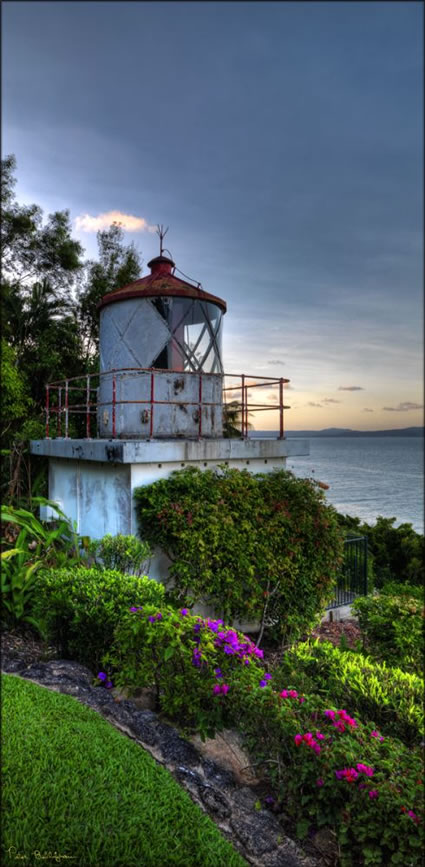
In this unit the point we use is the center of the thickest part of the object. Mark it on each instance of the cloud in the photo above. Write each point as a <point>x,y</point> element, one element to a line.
<point>330,400</point>
<point>350,388</point>
<point>366,409</point>
<point>276,361</point>
<point>314,404</point>
<point>86,223</point>
<point>403,407</point>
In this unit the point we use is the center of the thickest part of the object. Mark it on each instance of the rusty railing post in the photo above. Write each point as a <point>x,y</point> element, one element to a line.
<point>281,409</point>
<point>88,407</point>
<point>200,406</point>
<point>152,400</point>
<point>243,405</point>
<point>47,412</point>
<point>114,400</point>
<point>66,408</point>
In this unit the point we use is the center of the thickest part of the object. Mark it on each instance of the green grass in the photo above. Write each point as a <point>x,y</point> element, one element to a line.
<point>75,786</point>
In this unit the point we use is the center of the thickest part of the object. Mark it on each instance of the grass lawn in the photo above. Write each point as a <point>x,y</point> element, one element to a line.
<point>75,786</point>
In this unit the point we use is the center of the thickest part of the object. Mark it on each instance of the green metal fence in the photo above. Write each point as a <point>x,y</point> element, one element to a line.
<point>352,580</point>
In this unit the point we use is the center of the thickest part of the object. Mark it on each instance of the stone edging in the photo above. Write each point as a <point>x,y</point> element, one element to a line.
<point>256,834</point>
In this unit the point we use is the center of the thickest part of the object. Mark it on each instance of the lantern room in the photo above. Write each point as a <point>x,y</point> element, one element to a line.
<point>174,327</point>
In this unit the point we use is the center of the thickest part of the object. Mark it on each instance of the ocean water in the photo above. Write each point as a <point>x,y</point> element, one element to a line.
<point>369,476</point>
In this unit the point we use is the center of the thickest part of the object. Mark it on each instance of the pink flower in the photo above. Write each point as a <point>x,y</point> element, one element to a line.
<point>225,688</point>
<point>373,793</point>
<point>298,740</point>
<point>308,737</point>
<point>319,736</point>
<point>330,714</point>
<point>316,748</point>
<point>365,769</point>
<point>216,689</point>
<point>376,734</point>
<point>293,693</point>
<point>413,816</point>
<point>284,693</point>
<point>320,782</point>
<point>301,699</point>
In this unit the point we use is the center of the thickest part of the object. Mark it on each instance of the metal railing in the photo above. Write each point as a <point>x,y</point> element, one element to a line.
<point>352,580</point>
<point>77,396</point>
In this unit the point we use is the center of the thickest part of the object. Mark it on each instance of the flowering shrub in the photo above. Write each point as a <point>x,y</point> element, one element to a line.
<point>390,697</point>
<point>260,547</point>
<point>79,608</point>
<point>199,668</point>
<point>121,553</point>
<point>325,764</point>
<point>330,769</point>
<point>394,629</point>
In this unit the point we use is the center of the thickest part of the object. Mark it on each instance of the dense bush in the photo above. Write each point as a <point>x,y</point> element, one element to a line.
<point>122,553</point>
<point>326,768</point>
<point>394,629</point>
<point>389,697</point>
<point>197,666</point>
<point>397,553</point>
<point>79,608</point>
<point>254,546</point>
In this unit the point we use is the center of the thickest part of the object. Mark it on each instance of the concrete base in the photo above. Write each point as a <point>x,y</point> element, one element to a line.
<point>343,612</point>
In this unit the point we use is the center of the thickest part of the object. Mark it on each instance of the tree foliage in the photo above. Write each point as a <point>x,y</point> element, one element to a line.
<point>49,297</point>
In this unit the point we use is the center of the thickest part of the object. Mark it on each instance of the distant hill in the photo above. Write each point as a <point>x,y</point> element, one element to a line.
<point>345,432</point>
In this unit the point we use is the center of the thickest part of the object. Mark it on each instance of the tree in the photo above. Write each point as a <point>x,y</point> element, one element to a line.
<point>118,266</point>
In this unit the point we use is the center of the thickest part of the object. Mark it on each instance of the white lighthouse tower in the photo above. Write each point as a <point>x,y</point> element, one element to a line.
<point>157,405</point>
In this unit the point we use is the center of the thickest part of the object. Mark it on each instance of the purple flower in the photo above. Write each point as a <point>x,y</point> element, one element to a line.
<point>216,689</point>
<point>259,653</point>
<point>133,609</point>
<point>320,782</point>
<point>151,618</point>
<point>247,662</point>
<point>158,616</point>
<point>184,611</point>
<point>102,676</point>
<point>263,683</point>
<point>339,775</point>
<point>109,685</point>
<point>218,672</point>
<point>267,677</point>
<point>373,793</point>
<point>269,800</point>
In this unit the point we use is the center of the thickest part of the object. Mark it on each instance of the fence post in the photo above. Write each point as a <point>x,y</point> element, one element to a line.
<point>59,425</point>
<point>243,405</point>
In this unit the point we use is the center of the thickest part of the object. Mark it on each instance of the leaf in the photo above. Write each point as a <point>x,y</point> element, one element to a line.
<point>5,555</point>
<point>302,828</point>
<point>169,652</point>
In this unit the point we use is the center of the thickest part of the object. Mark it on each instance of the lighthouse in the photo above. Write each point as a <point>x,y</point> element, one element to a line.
<point>159,403</point>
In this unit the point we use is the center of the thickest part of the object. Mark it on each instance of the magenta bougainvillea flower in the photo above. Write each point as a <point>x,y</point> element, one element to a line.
<point>365,769</point>
<point>373,793</point>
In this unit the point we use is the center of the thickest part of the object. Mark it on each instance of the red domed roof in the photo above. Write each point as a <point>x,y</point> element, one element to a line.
<point>161,281</point>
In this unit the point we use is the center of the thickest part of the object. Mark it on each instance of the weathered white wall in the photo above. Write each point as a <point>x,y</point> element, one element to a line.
<point>97,496</point>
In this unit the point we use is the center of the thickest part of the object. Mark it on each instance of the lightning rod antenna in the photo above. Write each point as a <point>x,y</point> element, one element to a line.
<point>161,232</point>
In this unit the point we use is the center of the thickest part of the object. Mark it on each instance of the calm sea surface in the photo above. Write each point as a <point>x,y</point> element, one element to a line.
<point>369,476</point>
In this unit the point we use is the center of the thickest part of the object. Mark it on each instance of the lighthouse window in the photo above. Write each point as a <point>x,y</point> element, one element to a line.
<point>195,335</point>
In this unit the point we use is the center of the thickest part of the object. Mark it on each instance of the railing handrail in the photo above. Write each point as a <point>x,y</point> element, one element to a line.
<point>89,404</point>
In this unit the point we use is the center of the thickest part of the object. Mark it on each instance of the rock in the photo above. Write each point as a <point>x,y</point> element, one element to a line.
<point>174,748</point>
<point>217,775</point>
<point>259,834</point>
<point>215,802</point>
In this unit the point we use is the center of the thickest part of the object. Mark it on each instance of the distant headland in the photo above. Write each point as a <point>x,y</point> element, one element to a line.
<point>346,432</point>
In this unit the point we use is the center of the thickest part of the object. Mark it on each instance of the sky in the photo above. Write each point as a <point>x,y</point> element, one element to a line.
<point>281,142</point>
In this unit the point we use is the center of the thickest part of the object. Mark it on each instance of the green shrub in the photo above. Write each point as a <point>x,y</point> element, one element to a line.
<point>260,547</point>
<point>375,810</point>
<point>197,666</point>
<point>394,588</point>
<point>79,608</point>
<point>388,697</point>
<point>122,553</point>
<point>394,629</point>
<point>38,544</point>
<point>397,553</point>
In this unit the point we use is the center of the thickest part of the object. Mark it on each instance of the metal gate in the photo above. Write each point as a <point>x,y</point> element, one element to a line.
<point>352,580</point>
